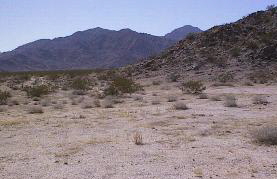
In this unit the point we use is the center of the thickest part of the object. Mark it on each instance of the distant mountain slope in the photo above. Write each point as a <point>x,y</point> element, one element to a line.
<point>182,32</point>
<point>94,48</point>
<point>245,49</point>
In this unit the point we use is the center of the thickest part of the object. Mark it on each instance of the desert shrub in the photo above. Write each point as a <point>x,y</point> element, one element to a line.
<point>225,77</point>
<point>260,100</point>
<point>230,101</point>
<point>252,45</point>
<point>13,102</point>
<point>45,102</point>
<point>173,77</point>
<point>180,106</point>
<point>156,102</point>
<point>203,96</point>
<point>193,87</point>
<point>156,82</point>
<point>217,61</point>
<point>172,98</point>
<point>138,138</point>
<point>79,92</point>
<point>37,91</point>
<point>58,106</point>
<point>138,98</point>
<point>35,110</point>
<point>2,109</point>
<point>261,76</point>
<point>107,103</point>
<point>80,84</point>
<point>97,103</point>
<point>235,52</point>
<point>266,135</point>
<point>4,96</point>
<point>86,105</point>
<point>248,83</point>
<point>122,85</point>
<point>215,98</point>
<point>165,88</point>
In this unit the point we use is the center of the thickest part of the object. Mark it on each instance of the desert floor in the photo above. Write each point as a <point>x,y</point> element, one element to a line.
<point>208,140</point>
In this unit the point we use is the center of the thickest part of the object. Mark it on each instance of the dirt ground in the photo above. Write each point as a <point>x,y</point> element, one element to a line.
<point>208,140</point>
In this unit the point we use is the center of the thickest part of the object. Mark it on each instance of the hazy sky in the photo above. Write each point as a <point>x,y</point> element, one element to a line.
<point>23,21</point>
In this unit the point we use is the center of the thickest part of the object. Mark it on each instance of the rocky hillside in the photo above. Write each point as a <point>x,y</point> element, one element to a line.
<point>94,48</point>
<point>246,48</point>
<point>182,32</point>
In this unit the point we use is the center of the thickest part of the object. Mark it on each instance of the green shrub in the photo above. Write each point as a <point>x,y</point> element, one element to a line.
<point>122,85</point>
<point>80,84</point>
<point>4,95</point>
<point>193,87</point>
<point>225,77</point>
<point>37,91</point>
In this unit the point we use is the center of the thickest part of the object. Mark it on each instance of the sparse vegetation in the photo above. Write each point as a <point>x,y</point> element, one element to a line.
<point>266,135</point>
<point>156,102</point>
<point>215,98</point>
<point>203,96</point>
<point>138,138</point>
<point>37,91</point>
<point>193,87</point>
<point>225,77</point>
<point>235,52</point>
<point>107,103</point>
<point>230,101</point>
<point>4,96</point>
<point>35,110</point>
<point>180,106</point>
<point>173,77</point>
<point>172,98</point>
<point>260,100</point>
<point>122,85</point>
<point>80,84</point>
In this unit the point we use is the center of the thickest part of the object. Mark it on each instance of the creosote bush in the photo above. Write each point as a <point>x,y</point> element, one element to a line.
<point>4,96</point>
<point>193,87</point>
<point>172,98</point>
<point>260,100</point>
<point>225,77</point>
<point>122,85</point>
<point>203,96</point>
<point>230,101</point>
<point>180,106</point>
<point>80,84</point>
<point>37,91</point>
<point>266,135</point>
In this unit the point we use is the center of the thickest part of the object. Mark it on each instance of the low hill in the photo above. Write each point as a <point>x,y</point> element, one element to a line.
<point>244,49</point>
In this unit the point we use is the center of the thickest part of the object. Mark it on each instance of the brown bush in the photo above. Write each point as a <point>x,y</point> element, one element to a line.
<point>266,135</point>
<point>193,87</point>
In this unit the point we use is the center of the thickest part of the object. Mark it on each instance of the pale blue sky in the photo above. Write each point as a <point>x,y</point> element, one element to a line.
<point>23,21</point>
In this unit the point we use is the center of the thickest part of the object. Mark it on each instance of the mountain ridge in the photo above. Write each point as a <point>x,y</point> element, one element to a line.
<point>92,48</point>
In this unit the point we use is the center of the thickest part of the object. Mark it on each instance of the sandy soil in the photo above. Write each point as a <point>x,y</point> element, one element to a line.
<point>206,141</point>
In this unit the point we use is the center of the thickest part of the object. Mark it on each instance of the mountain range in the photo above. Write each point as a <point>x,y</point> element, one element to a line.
<point>93,48</point>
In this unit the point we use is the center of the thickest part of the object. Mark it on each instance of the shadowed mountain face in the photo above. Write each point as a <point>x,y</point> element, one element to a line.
<point>94,48</point>
<point>182,32</point>
<point>244,49</point>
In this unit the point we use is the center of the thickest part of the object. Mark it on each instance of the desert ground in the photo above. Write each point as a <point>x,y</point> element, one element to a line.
<point>79,141</point>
